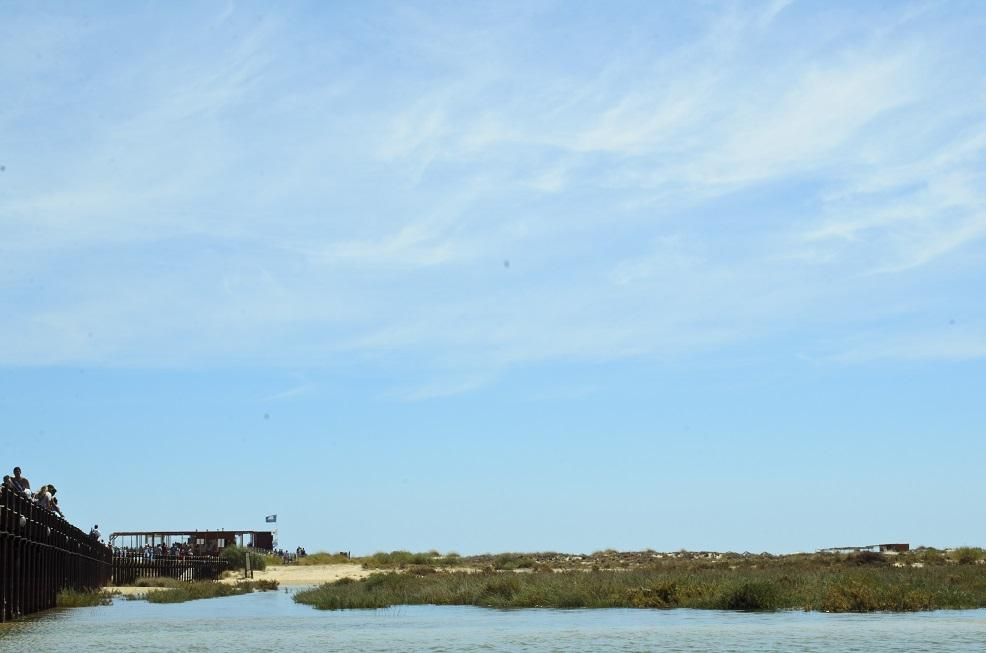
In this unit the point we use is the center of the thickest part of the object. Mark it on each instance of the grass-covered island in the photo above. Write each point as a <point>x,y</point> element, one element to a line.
<point>165,590</point>
<point>169,590</point>
<point>196,590</point>
<point>863,582</point>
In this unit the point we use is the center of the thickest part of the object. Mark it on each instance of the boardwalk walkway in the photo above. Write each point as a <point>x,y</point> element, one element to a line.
<point>41,554</point>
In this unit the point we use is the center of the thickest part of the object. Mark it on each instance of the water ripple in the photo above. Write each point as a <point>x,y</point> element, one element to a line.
<point>272,621</point>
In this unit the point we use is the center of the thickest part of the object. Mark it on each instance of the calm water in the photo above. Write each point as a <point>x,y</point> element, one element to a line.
<point>272,622</point>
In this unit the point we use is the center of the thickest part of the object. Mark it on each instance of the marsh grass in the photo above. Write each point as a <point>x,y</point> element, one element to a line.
<point>72,599</point>
<point>513,561</point>
<point>847,588</point>
<point>406,559</point>
<point>196,590</point>
<point>158,581</point>
<point>323,558</point>
<point>968,555</point>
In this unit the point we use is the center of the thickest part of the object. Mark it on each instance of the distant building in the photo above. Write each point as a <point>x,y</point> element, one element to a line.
<point>202,542</point>
<point>875,548</point>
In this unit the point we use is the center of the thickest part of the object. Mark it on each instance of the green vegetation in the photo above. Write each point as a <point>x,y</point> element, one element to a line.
<point>847,586</point>
<point>750,596</point>
<point>406,559</point>
<point>968,555</point>
<point>193,591</point>
<point>379,560</point>
<point>158,581</point>
<point>72,599</point>
<point>236,556</point>
<point>513,561</point>
<point>323,558</point>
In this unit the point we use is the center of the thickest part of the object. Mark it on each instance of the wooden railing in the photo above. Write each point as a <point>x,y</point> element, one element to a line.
<point>128,568</point>
<point>42,554</point>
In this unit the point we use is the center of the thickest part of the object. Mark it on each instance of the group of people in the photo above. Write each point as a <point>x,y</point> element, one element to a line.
<point>288,558</point>
<point>44,496</point>
<point>163,550</point>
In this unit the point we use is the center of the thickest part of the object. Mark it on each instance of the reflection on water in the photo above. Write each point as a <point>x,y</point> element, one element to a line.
<point>271,621</point>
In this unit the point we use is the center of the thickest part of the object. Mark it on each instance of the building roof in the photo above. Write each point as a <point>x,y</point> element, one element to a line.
<point>195,532</point>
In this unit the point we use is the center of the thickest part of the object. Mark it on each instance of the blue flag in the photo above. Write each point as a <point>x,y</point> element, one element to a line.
<point>271,519</point>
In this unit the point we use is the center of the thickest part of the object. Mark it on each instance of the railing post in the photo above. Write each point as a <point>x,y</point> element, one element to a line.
<point>41,554</point>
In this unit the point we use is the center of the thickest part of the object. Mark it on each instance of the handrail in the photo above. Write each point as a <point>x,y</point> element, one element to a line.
<point>42,554</point>
<point>127,569</point>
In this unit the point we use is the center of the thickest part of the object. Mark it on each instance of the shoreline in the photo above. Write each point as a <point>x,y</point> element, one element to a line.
<point>285,575</point>
<point>302,575</point>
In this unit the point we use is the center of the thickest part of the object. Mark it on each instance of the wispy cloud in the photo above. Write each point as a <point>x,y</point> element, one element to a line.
<point>949,343</point>
<point>442,388</point>
<point>291,393</point>
<point>483,189</point>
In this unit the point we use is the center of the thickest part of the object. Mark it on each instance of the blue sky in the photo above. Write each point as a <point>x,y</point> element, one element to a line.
<point>499,276</point>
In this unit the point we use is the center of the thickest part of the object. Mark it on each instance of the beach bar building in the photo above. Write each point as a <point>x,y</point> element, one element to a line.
<point>201,542</point>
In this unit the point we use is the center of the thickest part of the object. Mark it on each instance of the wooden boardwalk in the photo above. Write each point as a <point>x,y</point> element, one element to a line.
<point>42,554</point>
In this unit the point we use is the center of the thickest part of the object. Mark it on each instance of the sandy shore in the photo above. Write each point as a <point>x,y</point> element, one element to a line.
<point>285,575</point>
<point>293,576</point>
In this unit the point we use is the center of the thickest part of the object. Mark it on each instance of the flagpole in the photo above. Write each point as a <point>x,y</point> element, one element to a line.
<point>272,519</point>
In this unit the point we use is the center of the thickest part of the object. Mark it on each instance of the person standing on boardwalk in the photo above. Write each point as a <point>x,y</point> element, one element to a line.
<point>21,484</point>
